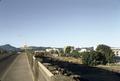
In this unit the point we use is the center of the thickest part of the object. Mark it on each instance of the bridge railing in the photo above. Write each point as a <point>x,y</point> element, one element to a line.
<point>40,72</point>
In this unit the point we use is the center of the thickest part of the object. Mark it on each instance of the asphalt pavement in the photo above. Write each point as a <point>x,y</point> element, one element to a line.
<point>5,63</point>
<point>15,68</point>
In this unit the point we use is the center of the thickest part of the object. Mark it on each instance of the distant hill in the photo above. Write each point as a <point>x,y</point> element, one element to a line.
<point>41,48</point>
<point>38,48</point>
<point>8,47</point>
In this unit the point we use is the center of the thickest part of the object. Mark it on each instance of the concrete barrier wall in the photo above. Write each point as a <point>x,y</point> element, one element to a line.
<point>40,72</point>
<point>46,73</point>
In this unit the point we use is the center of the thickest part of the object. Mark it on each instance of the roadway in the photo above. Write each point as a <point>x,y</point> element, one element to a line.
<point>15,68</point>
<point>5,63</point>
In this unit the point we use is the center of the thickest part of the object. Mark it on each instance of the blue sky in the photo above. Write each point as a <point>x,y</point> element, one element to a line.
<point>60,22</point>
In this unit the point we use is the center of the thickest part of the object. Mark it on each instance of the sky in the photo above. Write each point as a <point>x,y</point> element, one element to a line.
<point>57,23</point>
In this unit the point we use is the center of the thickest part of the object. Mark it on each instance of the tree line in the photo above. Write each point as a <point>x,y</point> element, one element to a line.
<point>102,55</point>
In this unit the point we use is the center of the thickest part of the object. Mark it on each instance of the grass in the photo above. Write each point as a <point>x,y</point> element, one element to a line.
<point>71,59</point>
<point>114,68</point>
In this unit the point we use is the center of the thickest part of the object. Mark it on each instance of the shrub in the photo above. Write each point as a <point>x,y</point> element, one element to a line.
<point>107,52</point>
<point>92,58</point>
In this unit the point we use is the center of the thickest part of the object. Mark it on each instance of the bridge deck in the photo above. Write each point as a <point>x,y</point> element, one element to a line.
<point>19,70</point>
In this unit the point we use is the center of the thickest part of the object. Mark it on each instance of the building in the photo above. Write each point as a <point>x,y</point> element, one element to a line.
<point>52,50</point>
<point>39,51</point>
<point>85,49</point>
<point>116,51</point>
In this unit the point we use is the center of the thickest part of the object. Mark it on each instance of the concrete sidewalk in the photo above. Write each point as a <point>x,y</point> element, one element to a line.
<point>19,70</point>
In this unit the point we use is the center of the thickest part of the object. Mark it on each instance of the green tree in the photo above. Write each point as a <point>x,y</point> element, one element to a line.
<point>52,52</point>
<point>56,52</point>
<point>61,51</point>
<point>85,58</point>
<point>92,58</point>
<point>75,53</point>
<point>68,49</point>
<point>107,52</point>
